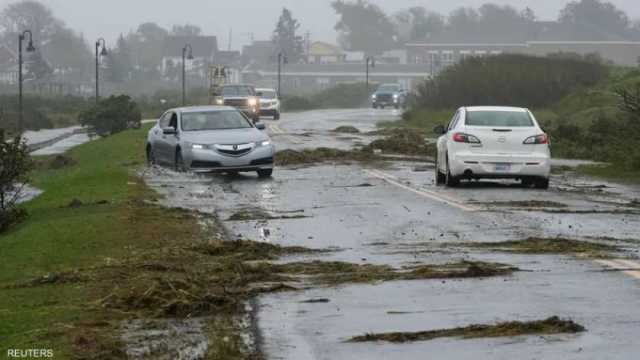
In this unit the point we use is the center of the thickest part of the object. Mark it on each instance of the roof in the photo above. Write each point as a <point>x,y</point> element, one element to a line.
<point>495,108</point>
<point>189,109</point>
<point>343,69</point>
<point>203,46</point>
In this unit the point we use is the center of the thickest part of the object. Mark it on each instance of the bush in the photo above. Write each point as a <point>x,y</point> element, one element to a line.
<point>297,103</point>
<point>15,163</point>
<point>341,96</point>
<point>516,80</point>
<point>112,115</point>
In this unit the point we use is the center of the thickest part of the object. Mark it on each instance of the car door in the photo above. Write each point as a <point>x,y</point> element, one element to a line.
<point>164,152</point>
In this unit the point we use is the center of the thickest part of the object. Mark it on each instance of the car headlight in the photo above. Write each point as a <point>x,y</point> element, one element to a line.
<point>374,96</point>
<point>263,143</point>
<point>219,101</point>
<point>198,146</point>
<point>253,102</point>
<point>395,96</point>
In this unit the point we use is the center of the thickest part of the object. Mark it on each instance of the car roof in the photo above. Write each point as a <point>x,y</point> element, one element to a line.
<point>238,85</point>
<point>265,89</point>
<point>205,108</point>
<point>495,108</point>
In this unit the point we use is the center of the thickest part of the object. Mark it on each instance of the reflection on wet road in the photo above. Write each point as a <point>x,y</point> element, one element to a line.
<point>396,215</point>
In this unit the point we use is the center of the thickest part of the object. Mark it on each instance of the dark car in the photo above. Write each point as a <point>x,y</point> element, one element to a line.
<point>241,97</point>
<point>389,95</point>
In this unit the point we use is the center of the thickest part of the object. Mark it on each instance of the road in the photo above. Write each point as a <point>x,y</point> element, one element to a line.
<point>396,215</point>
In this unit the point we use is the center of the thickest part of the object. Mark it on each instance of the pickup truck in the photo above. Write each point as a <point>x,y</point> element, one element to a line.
<point>241,97</point>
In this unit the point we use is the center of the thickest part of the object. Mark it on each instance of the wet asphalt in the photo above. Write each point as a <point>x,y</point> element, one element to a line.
<point>396,215</point>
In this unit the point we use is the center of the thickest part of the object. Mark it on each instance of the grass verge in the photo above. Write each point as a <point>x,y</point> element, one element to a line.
<point>615,173</point>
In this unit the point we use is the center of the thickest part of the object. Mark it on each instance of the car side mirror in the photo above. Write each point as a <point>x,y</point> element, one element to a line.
<point>260,126</point>
<point>439,130</point>
<point>169,131</point>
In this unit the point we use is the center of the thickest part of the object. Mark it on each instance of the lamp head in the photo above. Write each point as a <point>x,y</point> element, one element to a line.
<point>30,47</point>
<point>104,51</point>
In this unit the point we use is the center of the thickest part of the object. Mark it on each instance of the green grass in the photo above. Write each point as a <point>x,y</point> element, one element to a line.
<point>57,238</point>
<point>615,173</point>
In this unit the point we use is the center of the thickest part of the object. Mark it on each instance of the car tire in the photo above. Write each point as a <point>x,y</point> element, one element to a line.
<point>276,115</point>
<point>151,156</point>
<point>450,180</point>
<point>542,184</point>
<point>265,173</point>
<point>179,165</point>
<point>440,177</point>
<point>374,106</point>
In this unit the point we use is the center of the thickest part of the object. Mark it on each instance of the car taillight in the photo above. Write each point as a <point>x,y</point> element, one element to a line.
<point>465,138</point>
<point>537,140</point>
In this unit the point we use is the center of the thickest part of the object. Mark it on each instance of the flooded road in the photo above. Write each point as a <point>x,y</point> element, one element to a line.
<point>394,214</point>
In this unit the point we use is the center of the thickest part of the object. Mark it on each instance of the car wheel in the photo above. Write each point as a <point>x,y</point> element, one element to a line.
<point>276,116</point>
<point>266,173</point>
<point>151,156</point>
<point>542,184</point>
<point>450,180</point>
<point>179,166</point>
<point>374,106</point>
<point>440,177</point>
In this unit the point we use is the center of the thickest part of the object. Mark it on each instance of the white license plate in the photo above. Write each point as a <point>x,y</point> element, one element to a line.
<point>503,167</point>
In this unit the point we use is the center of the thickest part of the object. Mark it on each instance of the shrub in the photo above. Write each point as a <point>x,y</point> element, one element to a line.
<point>112,115</point>
<point>516,80</point>
<point>15,163</point>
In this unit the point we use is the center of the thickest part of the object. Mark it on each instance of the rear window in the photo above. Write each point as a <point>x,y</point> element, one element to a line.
<point>499,119</point>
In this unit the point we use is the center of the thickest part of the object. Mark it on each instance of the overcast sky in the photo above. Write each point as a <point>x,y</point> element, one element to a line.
<point>108,18</point>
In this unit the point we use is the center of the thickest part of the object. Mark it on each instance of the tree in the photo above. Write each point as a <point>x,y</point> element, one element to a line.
<point>364,27</point>
<point>285,37</point>
<point>28,14</point>
<point>417,23</point>
<point>148,41</point>
<point>186,30</point>
<point>15,164</point>
<point>595,20</point>
<point>120,61</point>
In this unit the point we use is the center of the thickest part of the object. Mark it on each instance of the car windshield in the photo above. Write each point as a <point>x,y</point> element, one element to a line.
<point>499,118</point>
<point>214,120</point>
<point>237,91</point>
<point>389,88</point>
<point>268,94</point>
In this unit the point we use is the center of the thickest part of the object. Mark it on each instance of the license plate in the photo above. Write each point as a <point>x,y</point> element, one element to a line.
<point>503,167</point>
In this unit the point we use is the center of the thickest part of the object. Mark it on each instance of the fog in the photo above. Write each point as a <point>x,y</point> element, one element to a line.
<point>251,18</point>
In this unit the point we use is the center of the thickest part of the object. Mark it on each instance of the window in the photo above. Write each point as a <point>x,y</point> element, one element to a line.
<point>447,56</point>
<point>165,120</point>
<point>214,120</point>
<point>454,121</point>
<point>499,118</point>
<point>237,91</point>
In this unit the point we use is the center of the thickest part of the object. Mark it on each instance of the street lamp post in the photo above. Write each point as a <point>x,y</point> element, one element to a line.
<point>99,53</point>
<point>30,48</point>
<point>282,60</point>
<point>370,62</point>
<point>187,54</point>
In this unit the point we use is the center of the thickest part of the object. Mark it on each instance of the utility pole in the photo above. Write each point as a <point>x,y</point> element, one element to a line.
<point>103,43</point>
<point>30,48</point>
<point>370,61</point>
<point>185,56</point>
<point>282,60</point>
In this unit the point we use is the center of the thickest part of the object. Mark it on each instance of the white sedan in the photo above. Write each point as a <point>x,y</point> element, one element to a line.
<point>494,143</point>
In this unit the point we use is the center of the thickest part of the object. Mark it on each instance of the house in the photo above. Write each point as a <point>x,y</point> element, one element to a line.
<point>8,65</point>
<point>437,56</point>
<point>204,49</point>
<point>260,52</point>
<point>324,53</point>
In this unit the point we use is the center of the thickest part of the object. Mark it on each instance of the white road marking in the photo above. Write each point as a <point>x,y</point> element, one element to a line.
<point>278,131</point>
<point>424,193</point>
<point>628,267</point>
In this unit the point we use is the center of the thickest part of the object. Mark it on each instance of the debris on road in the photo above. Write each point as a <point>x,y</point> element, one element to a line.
<point>259,214</point>
<point>307,156</point>
<point>406,142</point>
<point>347,129</point>
<point>535,204</point>
<point>552,325</point>
<point>547,246</point>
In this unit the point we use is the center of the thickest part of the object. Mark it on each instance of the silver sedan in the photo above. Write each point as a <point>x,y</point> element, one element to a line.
<point>210,139</point>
